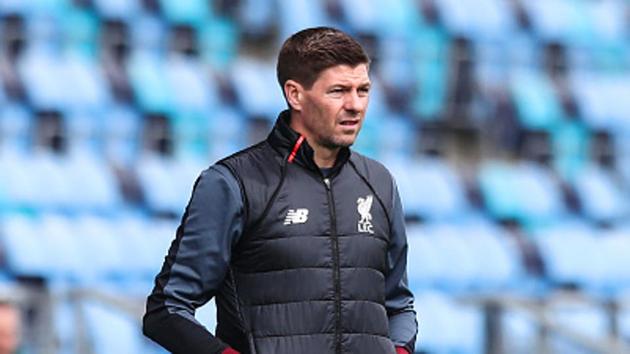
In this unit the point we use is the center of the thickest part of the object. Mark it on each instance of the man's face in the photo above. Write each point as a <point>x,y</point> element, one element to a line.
<point>9,329</point>
<point>333,109</point>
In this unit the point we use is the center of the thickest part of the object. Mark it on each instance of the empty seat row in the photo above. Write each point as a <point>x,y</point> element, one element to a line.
<point>85,249</point>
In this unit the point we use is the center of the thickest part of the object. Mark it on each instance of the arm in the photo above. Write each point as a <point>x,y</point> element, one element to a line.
<point>195,266</point>
<point>399,299</point>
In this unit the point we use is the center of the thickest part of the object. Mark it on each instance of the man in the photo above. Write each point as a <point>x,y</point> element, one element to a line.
<point>300,239</point>
<point>10,326</point>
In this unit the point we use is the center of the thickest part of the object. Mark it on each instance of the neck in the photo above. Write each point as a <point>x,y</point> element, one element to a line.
<point>324,157</point>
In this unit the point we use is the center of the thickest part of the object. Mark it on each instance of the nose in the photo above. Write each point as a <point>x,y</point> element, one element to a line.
<point>354,103</point>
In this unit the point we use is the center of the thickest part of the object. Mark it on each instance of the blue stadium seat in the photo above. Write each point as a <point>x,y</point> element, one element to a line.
<point>110,330</point>
<point>118,9</point>
<point>446,326</point>
<point>429,188</point>
<point>219,42</point>
<point>524,191</point>
<point>257,89</point>
<point>192,12</point>
<point>51,181</point>
<point>299,14</point>
<point>191,85</point>
<point>256,16</point>
<point>91,174</point>
<point>80,31</point>
<point>480,20</point>
<point>121,135</point>
<point>41,71</point>
<point>15,127</point>
<point>140,249</point>
<point>615,244</point>
<point>497,257</point>
<point>67,257</point>
<point>430,46</point>
<point>226,133</point>
<point>536,100</point>
<point>560,20</point>
<point>398,21</point>
<point>601,197</point>
<point>24,248</point>
<point>146,74</point>
<point>570,141</point>
<point>148,33</point>
<point>597,97</point>
<point>103,246</point>
<point>400,139</point>
<point>157,181</point>
<point>424,264</point>
<point>84,84</point>
<point>564,248</point>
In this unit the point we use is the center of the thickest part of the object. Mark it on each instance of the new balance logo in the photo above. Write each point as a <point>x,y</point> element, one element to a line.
<point>296,216</point>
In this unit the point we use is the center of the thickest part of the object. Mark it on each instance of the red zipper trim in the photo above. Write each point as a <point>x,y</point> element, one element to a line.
<point>297,145</point>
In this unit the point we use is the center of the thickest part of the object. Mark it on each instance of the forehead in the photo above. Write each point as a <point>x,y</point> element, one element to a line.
<point>344,74</point>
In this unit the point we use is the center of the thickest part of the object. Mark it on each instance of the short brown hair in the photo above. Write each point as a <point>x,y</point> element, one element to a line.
<point>307,53</point>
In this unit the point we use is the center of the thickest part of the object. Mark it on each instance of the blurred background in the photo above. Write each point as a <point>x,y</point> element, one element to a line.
<point>505,122</point>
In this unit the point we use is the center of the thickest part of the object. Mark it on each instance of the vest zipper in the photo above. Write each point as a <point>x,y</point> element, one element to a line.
<point>336,266</point>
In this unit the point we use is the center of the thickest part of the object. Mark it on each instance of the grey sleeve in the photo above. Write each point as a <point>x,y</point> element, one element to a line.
<point>398,297</point>
<point>196,264</point>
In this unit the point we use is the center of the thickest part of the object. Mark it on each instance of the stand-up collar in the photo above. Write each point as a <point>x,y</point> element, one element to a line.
<point>295,149</point>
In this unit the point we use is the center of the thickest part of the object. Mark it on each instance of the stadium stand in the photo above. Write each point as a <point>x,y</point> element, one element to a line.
<point>506,124</point>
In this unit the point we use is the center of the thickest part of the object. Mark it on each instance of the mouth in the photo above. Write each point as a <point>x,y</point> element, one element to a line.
<point>349,122</point>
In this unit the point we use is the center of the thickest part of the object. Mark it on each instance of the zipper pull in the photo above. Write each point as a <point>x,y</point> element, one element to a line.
<point>327,183</point>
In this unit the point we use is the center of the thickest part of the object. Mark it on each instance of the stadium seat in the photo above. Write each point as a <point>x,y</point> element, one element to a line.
<point>257,88</point>
<point>118,9</point>
<point>24,248</point>
<point>601,197</point>
<point>446,326</point>
<point>429,188</point>
<point>486,20</point>
<point>41,71</point>
<point>193,89</point>
<point>560,20</point>
<point>219,42</point>
<point>148,33</point>
<point>256,16</point>
<point>15,127</point>
<point>429,48</point>
<point>146,73</point>
<point>564,247</point>
<point>296,15</point>
<point>598,98</point>
<point>524,191</point>
<point>67,257</point>
<point>193,12</point>
<point>535,99</point>
<point>571,143</point>
<point>86,87</point>
<point>110,330</point>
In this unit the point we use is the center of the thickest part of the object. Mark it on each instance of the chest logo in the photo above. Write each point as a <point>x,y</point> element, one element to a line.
<point>364,205</point>
<point>296,216</point>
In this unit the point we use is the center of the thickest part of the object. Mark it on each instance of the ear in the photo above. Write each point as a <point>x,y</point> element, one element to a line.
<point>293,92</point>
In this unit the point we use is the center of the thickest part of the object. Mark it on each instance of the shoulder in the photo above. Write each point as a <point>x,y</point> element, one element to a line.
<point>370,168</point>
